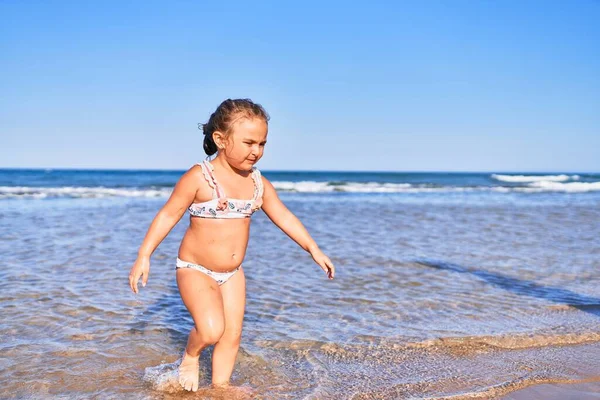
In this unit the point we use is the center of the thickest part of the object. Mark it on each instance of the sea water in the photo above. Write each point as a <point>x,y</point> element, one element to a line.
<point>447,285</point>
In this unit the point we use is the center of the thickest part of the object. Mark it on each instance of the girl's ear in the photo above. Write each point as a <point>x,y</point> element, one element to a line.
<point>219,139</point>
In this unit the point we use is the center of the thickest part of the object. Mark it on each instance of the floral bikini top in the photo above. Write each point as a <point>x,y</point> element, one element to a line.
<point>222,207</point>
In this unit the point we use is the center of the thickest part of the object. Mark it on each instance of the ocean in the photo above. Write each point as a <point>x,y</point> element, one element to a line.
<point>448,285</point>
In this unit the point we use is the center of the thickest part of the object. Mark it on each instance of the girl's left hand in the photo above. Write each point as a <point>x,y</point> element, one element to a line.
<point>324,262</point>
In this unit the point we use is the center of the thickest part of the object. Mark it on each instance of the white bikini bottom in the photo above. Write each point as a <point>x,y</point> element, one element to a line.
<point>220,277</point>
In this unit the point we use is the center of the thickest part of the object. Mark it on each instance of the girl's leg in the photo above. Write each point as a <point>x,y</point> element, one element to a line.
<point>202,297</point>
<point>226,349</point>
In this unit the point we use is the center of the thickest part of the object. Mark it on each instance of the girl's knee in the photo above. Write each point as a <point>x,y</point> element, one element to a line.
<point>209,336</point>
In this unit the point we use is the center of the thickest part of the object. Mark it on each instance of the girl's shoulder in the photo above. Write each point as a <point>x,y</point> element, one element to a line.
<point>194,180</point>
<point>266,184</point>
<point>196,170</point>
<point>194,177</point>
<point>262,177</point>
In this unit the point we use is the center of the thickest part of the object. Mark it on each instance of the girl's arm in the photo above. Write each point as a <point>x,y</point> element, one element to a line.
<point>168,216</point>
<point>291,226</point>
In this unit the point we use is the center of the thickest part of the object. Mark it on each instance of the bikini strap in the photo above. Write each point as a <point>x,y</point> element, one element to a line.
<point>207,169</point>
<point>258,184</point>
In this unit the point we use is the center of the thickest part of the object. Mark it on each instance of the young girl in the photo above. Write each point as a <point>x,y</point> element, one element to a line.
<point>221,196</point>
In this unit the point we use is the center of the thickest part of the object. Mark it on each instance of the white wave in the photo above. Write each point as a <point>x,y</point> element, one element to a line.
<point>351,187</point>
<point>7,192</point>
<point>303,186</point>
<point>24,192</point>
<point>534,178</point>
<point>571,187</point>
<point>372,187</point>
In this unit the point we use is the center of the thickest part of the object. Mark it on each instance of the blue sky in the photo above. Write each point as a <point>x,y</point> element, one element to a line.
<point>395,86</point>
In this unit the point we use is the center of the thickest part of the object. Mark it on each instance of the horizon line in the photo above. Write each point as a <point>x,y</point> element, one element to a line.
<point>310,171</point>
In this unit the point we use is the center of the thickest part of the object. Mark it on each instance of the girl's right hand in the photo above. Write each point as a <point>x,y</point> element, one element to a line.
<point>141,268</point>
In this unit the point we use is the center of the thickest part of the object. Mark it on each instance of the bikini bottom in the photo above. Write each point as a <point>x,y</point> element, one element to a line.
<point>220,277</point>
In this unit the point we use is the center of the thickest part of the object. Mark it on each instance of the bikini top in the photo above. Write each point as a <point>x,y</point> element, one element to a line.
<point>222,207</point>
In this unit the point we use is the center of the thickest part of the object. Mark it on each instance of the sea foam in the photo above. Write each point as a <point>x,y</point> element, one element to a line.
<point>534,178</point>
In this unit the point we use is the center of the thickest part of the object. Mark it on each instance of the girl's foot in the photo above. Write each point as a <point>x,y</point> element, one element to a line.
<point>188,371</point>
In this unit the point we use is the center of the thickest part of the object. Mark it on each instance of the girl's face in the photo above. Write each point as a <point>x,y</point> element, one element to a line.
<point>246,143</point>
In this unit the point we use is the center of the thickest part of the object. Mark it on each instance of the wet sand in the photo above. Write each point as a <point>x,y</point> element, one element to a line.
<point>559,391</point>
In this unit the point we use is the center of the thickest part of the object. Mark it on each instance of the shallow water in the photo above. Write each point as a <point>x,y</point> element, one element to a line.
<point>463,294</point>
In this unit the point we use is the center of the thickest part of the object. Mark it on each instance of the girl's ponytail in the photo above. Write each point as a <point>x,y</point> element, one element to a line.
<point>209,145</point>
